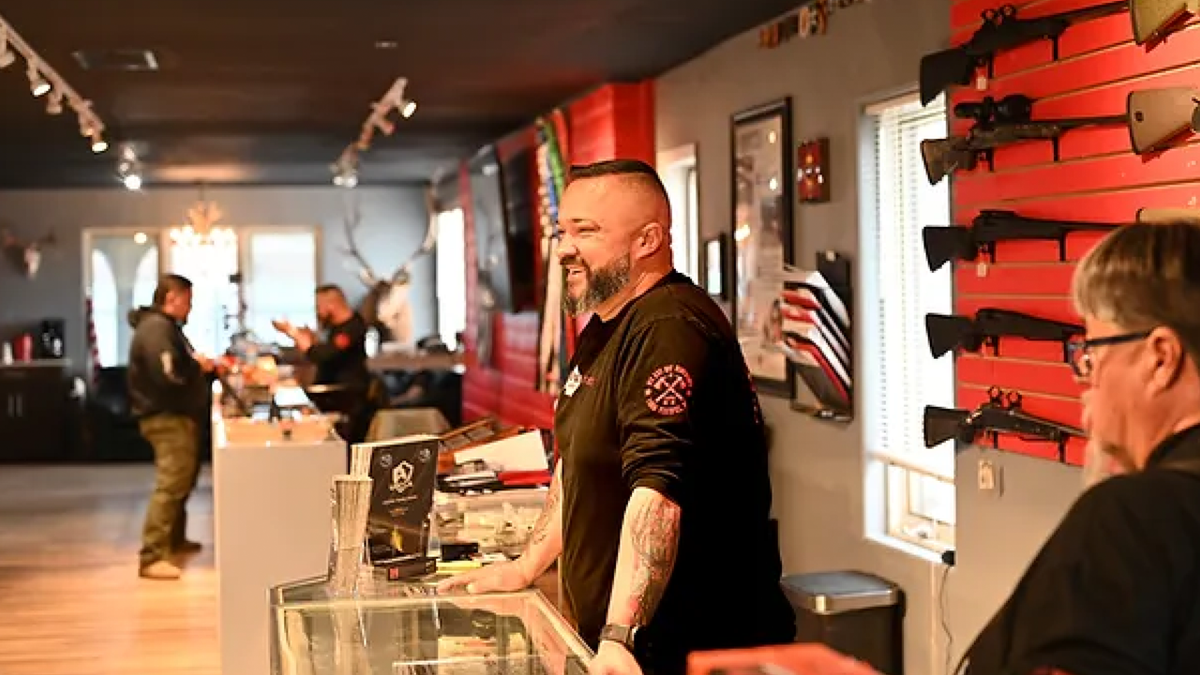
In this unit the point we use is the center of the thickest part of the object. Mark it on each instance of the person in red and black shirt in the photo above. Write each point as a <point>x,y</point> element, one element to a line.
<point>339,355</point>
<point>660,506</point>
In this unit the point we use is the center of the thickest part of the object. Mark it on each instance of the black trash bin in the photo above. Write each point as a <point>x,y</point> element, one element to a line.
<point>858,614</point>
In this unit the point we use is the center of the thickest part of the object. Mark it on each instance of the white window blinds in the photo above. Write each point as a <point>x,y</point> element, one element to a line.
<point>905,377</point>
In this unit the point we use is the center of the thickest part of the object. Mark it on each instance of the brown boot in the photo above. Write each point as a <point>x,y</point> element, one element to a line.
<point>160,569</point>
<point>188,547</point>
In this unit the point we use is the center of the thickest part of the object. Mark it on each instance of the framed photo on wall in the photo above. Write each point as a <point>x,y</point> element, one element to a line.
<point>761,235</point>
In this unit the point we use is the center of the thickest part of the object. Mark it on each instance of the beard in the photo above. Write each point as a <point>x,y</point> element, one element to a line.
<point>1102,459</point>
<point>600,284</point>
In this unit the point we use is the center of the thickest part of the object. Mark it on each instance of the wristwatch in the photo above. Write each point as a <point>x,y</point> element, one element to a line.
<point>623,635</point>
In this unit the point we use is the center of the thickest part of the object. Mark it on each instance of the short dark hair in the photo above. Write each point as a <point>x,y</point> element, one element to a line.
<point>331,288</point>
<point>633,168</point>
<point>170,283</point>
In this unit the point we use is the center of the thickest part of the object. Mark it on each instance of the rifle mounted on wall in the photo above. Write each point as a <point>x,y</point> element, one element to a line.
<point>947,333</point>
<point>956,242</point>
<point>1000,414</point>
<point>1002,29</point>
<point>1154,117</point>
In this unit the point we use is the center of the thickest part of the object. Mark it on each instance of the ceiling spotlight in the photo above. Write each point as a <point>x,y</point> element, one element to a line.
<point>99,145</point>
<point>132,182</point>
<point>38,85</point>
<point>409,108</point>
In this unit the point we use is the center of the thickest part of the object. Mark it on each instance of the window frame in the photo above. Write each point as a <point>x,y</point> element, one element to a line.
<point>245,233</point>
<point>891,516</point>
<point>162,237</point>
<point>676,167</point>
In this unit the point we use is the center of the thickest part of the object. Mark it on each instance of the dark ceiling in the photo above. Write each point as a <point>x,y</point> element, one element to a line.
<point>271,91</point>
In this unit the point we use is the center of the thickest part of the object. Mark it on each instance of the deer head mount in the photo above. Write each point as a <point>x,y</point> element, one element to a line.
<point>26,255</point>
<point>402,274</point>
<point>386,301</point>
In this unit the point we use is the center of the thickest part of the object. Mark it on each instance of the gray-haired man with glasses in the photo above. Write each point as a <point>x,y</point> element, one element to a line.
<point>1115,590</point>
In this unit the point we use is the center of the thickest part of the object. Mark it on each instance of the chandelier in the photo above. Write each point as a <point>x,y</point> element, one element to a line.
<point>200,229</point>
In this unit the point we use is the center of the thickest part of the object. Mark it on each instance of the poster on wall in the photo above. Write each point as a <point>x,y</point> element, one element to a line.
<point>762,237</point>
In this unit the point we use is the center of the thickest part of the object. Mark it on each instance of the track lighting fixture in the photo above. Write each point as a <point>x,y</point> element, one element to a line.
<point>345,169</point>
<point>44,80</point>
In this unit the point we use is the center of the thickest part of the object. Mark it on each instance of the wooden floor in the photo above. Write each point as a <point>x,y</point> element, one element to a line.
<point>71,602</point>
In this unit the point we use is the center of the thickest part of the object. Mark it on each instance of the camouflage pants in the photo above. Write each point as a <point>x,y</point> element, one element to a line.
<point>176,443</point>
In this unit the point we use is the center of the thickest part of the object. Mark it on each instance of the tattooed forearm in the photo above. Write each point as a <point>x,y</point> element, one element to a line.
<point>545,540</point>
<point>541,529</point>
<point>649,545</point>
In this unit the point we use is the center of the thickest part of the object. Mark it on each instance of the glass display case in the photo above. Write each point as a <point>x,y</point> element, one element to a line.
<point>393,628</point>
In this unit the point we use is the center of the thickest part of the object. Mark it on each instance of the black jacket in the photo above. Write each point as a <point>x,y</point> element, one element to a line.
<point>163,376</point>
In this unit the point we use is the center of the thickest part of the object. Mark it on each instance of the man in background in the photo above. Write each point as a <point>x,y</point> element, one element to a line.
<point>169,392</point>
<point>340,357</point>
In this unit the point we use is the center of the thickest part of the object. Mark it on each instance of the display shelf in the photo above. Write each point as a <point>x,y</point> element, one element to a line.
<point>824,350</point>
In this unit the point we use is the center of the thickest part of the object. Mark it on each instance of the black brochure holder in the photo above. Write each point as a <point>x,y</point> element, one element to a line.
<point>823,401</point>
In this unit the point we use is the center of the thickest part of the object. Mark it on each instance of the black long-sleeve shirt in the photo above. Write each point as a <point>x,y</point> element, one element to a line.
<point>341,357</point>
<point>660,397</point>
<point>1116,589</point>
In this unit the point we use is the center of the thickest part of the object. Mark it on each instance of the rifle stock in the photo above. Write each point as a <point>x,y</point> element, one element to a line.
<point>1159,116</point>
<point>942,424</point>
<point>1169,214</point>
<point>1153,19</point>
<point>941,69</point>
<point>943,156</point>
<point>943,244</point>
<point>947,333</point>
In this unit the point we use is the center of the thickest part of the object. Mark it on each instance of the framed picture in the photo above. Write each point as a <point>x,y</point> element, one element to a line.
<point>763,189</point>
<point>715,253</point>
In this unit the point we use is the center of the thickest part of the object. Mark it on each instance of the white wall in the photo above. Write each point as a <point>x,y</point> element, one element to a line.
<point>817,468</point>
<point>393,225</point>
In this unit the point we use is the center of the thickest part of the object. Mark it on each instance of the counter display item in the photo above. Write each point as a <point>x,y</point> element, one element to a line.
<point>499,522</point>
<point>408,629</point>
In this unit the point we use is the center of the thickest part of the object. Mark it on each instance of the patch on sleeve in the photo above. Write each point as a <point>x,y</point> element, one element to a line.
<point>341,341</point>
<point>669,390</point>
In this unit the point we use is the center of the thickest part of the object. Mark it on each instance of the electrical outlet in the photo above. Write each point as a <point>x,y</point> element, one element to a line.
<point>989,476</point>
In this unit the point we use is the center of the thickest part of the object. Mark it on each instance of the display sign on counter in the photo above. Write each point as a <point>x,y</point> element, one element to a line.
<point>404,473</point>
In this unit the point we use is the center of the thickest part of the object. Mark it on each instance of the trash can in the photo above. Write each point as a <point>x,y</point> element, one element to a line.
<point>858,614</point>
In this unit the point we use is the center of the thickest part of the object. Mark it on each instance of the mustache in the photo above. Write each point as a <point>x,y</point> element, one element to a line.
<point>573,261</point>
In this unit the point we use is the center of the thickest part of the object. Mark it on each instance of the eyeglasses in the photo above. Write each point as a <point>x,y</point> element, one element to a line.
<point>1079,353</point>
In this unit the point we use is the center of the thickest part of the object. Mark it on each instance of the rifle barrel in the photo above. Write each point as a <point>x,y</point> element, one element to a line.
<point>1076,122</point>
<point>1088,13</point>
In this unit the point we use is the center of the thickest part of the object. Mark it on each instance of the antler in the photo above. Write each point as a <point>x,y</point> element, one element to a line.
<point>350,223</point>
<point>10,240</point>
<point>427,246</point>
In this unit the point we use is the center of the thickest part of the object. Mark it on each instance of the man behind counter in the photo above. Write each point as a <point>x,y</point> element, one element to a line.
<point>660,507</point>
<point>340,357</point>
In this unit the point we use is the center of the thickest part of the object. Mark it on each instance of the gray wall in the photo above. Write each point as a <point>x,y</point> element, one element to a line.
<point>393,225</point>
<point>817,468</point>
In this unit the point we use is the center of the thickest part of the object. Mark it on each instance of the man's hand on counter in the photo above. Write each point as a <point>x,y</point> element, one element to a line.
<point>613,659</point>
<point>498,577</point>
